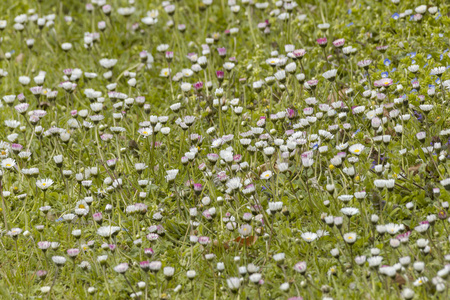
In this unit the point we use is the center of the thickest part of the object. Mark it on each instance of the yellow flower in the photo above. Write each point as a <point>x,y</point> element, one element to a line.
<point>331,167</point>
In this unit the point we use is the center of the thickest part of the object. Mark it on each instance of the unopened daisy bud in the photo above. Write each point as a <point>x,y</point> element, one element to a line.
<point>168,272</point>
<point>191,274</point>
<point>279,257</point>
<point>284,286</point>
<point>330,75</point>
<point>338,222</point>
<point>290,68</point>
<point>234,283</point>
<point>121,268</point>
<point>280,76</point>
<point>98,217</point>
<point>58,159</point>
<point>219,92</point>
<point>408,293</point>
<point>59,260</point>
<point>421,136</point>
<point>300,267</point>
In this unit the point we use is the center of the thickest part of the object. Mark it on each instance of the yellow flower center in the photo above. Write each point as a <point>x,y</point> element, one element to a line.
<point>331,167</point>
<point>145,132</point>
<point>43,183</point>
<point>8,165</point>
<point>81,206</point>
<point>3,152</point>
<point>357,150</point>
<point>350,238</point>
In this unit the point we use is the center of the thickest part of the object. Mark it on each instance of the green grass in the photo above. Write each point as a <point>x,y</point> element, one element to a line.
<point>304,192</point>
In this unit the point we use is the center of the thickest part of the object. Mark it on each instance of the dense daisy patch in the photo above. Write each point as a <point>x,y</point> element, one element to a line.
<point>212,149</point>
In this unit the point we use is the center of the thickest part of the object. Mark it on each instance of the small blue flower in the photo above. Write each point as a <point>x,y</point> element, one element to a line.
<point>349,24</point>
<point>349,11</point>
<point>431,86</point>
<point>384,74</point>
<point>418,116</point>
<point>429,56</point>
<point>395,16</point>
<point>387,62</point>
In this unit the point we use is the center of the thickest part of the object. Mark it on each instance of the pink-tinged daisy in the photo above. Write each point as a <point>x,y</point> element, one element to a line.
<point>382,48</point>
<point>339,43</point>
<point>365,63</point>
<point>298,53</point>
<point>322,42</point>
<point>385,82</point>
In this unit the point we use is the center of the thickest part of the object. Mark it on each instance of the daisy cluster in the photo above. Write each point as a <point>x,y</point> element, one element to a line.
<point>212,149</point>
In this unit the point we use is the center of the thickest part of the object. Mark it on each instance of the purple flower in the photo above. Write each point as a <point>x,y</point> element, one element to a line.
<point>222,51</point>
<point>322,42</point>
<point>198,86</point>
<point>220,74</point>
